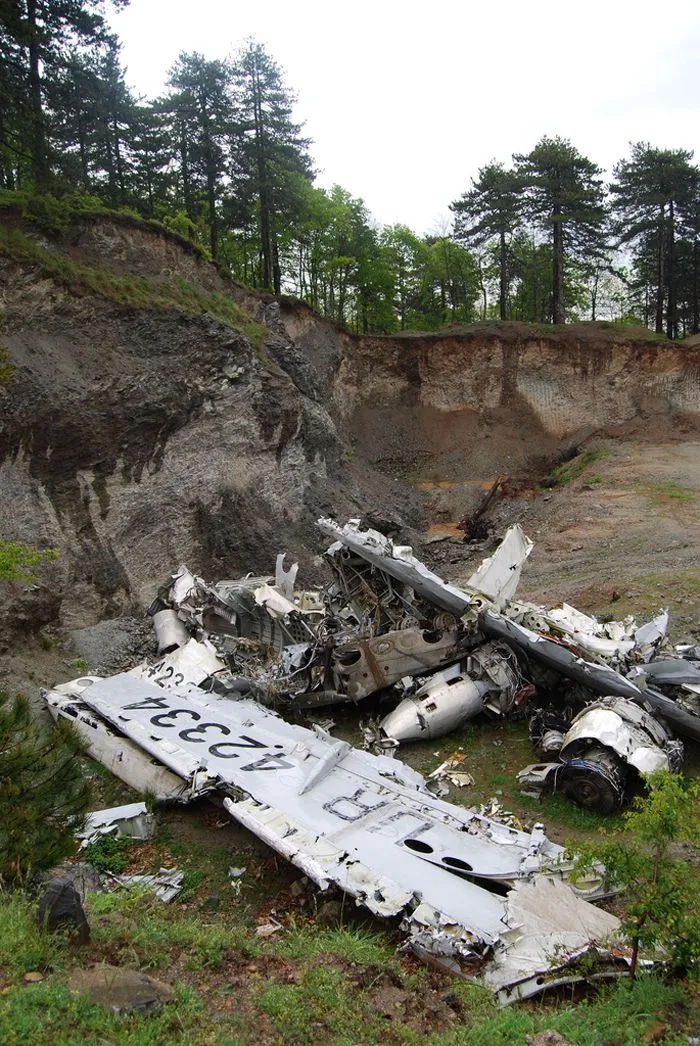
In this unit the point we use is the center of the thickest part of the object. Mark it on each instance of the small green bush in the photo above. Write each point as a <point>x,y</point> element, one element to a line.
<point>50,215</point>
<point>17,562</point>
<point>42,798</point>
<point>108,854</point>
<point>661,890</point>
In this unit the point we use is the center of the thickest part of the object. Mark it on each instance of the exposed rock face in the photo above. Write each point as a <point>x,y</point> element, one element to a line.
<point>133,439</point>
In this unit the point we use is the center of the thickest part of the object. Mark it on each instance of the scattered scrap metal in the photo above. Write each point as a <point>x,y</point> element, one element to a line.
<point>484,897</point>
<point>132,821</point>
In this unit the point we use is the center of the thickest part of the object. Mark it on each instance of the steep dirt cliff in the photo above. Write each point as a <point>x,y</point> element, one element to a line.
<point>140,431</point>
<point>454,411</point>
<point>134,438</point>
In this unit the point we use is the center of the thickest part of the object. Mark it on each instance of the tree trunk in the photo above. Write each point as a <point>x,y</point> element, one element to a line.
<point>660,274</point>
<point>276,271</point>
<point>82,148</point>
<point>40,163</point>
<point>482,288</point>
<point>696,296</point>
<point>503,290</point>
<point>594,294</point>
<point>211,178</point>
<point>111,173</point>
<point>7,180</point>
<point>558,310</point>
<point>119,165</point>
<point>671,318</point>
<point>149,186</point>
<point>185,169</point>
<point>263,193</point>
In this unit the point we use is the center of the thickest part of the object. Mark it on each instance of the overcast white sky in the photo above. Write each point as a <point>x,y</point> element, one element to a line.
<point>405,101</point>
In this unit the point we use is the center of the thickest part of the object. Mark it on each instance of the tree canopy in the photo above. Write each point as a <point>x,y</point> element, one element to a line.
<point>221,157</point>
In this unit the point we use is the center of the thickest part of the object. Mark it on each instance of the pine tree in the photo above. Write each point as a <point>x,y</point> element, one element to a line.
<point>267,149</point>
<point>153,159</point>
<point>491,210</point>
<point>652,190</point>
<point>563,195</point>
<point>37,34</point>
<point>201,106</point>
<point>15,131</point>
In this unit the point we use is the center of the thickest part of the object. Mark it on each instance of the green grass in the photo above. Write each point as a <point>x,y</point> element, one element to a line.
<point>355,946</point>
<point>142,930</point>
<point>555,807</point>
<point>24,946</point>
<point>562,474</point>
<point>660,492</point>
<point>618,1014</point>
<point>323,1008</point>
<point>308,986</point>
<point>135,292</point>
<point>50,1015</point>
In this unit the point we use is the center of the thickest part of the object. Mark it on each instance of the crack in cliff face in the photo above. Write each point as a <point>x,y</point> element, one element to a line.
<point>509,373</point>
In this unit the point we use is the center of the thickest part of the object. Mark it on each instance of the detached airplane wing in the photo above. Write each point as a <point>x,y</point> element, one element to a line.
<point>368,825</point>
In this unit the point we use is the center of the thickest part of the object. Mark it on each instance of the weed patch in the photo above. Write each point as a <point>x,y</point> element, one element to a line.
<point>570,470</point>
<point>108,854</point>
<point>661,492</point>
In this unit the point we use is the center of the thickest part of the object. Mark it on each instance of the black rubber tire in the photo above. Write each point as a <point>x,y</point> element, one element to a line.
<point>590,787</point>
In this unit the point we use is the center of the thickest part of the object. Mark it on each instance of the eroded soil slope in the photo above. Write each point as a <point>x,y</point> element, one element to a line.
<point>139,433</point>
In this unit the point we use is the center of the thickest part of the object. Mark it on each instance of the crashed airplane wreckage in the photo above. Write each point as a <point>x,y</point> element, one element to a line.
<point>387,623</point>
<point>478,895</point>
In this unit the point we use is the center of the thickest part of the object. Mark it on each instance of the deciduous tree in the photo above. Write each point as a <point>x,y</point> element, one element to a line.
<point>661,891</point>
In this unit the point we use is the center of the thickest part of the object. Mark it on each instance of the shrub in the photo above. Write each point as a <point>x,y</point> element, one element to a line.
<point>662,889</point>
<point>50,215</point>
<point>43,796</point>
